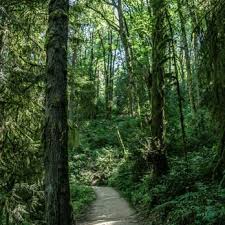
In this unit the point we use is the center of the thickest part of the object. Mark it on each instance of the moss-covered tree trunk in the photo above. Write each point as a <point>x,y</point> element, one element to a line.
<point>2,21</point>
<point>58,209</point>
<point>187,56</point>
<point>2,31</point>
<point>214,62</point>
<point>157,154</point>
<point>179,95</point>
<point>1,110</point>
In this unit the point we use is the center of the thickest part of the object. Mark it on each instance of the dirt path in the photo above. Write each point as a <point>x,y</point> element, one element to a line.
<point>109,209</point>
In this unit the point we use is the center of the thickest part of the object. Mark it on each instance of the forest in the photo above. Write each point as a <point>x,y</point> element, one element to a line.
<point>121,95</point>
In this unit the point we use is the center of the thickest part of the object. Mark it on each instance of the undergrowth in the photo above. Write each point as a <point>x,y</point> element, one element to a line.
<point>81,197</point>
<point>185,196</point>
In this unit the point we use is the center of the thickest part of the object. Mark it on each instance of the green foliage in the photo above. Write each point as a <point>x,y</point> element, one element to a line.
<point>182,197</point>
<point>113,152</point>
<point>24,204</point>
<point>185,196</point>
<point>81,197</point>
<point>100,148</point>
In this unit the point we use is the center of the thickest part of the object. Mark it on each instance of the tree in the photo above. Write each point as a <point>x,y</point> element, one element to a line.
<point>125,41</point>
<point>58,209</point>
<point>159,160</point>
<point>187,56</point>
<point>213,66</point>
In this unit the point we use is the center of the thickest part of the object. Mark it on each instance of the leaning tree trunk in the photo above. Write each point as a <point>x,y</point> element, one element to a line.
<point>58,209</point>
<point>158,156</point>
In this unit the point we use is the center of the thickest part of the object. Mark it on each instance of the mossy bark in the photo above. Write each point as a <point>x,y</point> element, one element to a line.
<point>58,209</point>
<point>2,21</point>
<point>218,171</point>
<point>180,101</point>
<point>158,157</point>
<point>213,65</point>
<point>187,57</point>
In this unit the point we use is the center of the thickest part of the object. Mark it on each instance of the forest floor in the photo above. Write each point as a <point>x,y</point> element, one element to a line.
<point>109,209</point>
<point>184,196</point>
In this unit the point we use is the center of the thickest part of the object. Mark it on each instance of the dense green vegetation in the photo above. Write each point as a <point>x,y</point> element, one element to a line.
<point>81,197</point>
<point>122,93</point>
<point>186,195</point>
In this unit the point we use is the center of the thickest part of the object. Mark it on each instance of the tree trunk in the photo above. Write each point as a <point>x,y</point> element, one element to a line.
<point>2,21</point>
<point>218,171</point>
<point>196,47</point>
<point>106,63</point>
<point>159,160</point>
<point>2,87</point>
<point>180,102</point>
<point>187,57</point>
<point>58,209</point>
<point>110,76</point>
<point>124,39</point>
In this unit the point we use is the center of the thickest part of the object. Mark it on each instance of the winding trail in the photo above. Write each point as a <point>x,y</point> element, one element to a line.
<point>109,209</point>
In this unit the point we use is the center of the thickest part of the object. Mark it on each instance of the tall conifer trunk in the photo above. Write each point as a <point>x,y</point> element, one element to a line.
<point>2,19</point>
<point>58,210</point>
<point>158,157</point>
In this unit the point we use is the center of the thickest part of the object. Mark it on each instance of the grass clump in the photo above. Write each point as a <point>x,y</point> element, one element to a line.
<point>81,196</point>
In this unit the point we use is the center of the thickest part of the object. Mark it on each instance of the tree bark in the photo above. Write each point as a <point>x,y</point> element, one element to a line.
<point>187,57</point>
<point>109,89</point>
<point>159,160</point>
<point>180,102</point>
<point>2,21</point>
<point>58,209</point>
<point>125,42</point>
<point>218,171</point>
<point>106,63</point>
<point>2,86</point>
